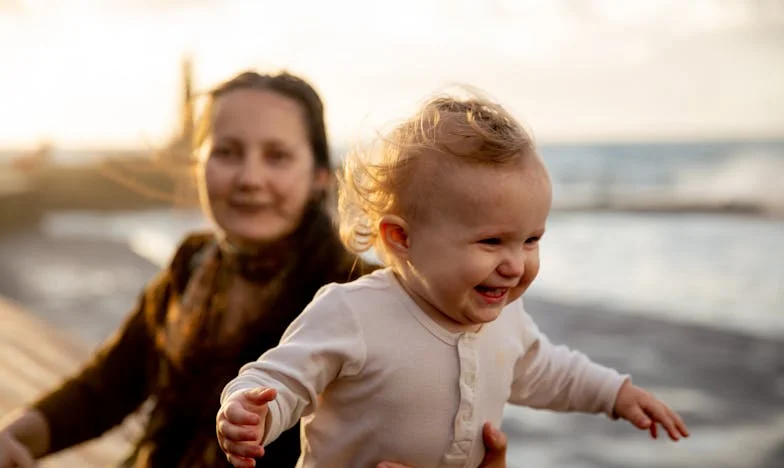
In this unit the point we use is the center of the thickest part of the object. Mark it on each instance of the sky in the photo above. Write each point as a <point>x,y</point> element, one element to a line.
<point>83,73</point>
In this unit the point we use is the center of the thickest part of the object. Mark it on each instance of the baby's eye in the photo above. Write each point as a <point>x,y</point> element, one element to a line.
<point>491,241</point>
<point>532,240</point>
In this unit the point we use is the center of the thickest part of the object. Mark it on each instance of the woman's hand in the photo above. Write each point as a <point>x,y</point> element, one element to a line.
<point>495,447</point>
<point>495,450</point>
<point>13,454</point>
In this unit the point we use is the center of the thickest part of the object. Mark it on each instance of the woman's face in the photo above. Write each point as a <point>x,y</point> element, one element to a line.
<point>257,169</point>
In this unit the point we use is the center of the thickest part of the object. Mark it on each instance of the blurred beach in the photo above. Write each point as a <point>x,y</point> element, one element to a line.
<point>690,302</point>
<point>658,121</point>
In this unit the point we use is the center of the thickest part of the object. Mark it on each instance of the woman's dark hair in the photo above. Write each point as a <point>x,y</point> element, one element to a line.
<point>288,85</point>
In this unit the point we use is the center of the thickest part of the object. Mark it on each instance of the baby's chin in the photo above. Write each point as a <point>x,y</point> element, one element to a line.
<point>485,314</point>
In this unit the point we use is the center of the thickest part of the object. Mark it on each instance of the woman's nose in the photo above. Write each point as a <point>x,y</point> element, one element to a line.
<point>253,173</point>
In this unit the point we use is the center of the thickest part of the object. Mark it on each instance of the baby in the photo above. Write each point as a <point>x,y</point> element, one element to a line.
<point>408,362</point>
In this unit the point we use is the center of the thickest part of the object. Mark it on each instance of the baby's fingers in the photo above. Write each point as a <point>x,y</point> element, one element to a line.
<point>260,396</point>
<point>665,417</point>
<point>238,415</point>
<point>237,433</point>
<point>680,424</point>
<point>676,429</point>
<point>638,417</point>
<point>243,449</point>
<point>241,462</point>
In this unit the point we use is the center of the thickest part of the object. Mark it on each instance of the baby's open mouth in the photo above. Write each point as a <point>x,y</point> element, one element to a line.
<point>491,292</point>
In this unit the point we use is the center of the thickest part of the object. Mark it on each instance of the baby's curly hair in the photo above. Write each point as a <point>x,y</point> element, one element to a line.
<point>381,180</point>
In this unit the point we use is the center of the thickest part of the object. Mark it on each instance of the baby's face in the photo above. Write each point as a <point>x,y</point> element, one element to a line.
<point>475,248</point>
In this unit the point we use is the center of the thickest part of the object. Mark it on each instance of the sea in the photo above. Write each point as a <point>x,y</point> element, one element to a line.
<point>681,232</point>
<point>707,247</point>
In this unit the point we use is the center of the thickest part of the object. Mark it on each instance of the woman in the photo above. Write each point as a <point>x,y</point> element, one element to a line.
<point>227,295</point>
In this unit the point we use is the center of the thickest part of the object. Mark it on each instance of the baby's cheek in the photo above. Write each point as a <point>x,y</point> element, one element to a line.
<point>531,271</point>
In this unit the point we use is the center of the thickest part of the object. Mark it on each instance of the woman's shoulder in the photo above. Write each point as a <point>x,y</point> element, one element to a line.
<point>189,251</point>
<point>171,280</point>
<point>183,260</point>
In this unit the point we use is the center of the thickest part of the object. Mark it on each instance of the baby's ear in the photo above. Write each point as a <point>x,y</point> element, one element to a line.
<point>393,231</point>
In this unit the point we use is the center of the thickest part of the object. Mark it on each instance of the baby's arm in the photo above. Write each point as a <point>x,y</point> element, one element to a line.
<point>557,378</point>
<point>321,345</point>
<point>560,379</point>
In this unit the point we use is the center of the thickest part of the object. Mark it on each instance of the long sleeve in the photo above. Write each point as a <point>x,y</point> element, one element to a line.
<point>560,379</point>
<point>323,344</point>
<point>107,389</point>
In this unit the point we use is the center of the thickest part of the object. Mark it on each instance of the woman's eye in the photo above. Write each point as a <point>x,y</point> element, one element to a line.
<point>222,152</point>
<point>491,241</point>
<point>278,156</point>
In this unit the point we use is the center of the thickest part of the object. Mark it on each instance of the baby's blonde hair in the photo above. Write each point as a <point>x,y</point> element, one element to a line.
<point>380,181</point>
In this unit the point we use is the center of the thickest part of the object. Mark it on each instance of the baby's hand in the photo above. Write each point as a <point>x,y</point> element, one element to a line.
<point>644,411</point>
<point>240,425</point>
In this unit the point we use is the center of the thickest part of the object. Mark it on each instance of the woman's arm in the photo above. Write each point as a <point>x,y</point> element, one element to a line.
<point>106,390</point>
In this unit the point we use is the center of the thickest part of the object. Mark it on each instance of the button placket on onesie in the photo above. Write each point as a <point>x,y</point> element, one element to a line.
<point>466,417</point>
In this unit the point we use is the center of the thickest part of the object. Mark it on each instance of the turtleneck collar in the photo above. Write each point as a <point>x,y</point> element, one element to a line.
<point>259,263</point>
